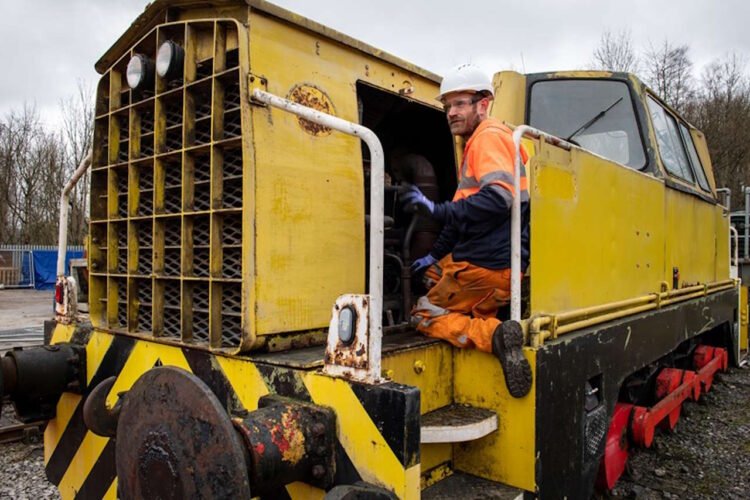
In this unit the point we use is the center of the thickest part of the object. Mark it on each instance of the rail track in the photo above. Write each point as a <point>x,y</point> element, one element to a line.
<point>11,430</point>
<point>21,432</point>
<point>21,337</point>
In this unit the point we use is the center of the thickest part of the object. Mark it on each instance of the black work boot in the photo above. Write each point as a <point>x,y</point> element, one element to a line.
<point>507,343</point>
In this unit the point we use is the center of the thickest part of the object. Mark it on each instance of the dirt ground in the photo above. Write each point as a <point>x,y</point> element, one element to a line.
<point>22,308</point>
<point>708,455</point>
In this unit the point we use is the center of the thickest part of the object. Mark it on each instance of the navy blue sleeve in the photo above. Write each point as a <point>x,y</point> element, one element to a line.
<point>491,201</point>
<point>445,242</point>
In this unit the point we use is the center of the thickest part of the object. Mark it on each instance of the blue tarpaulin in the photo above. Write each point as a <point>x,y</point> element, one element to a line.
<point>45,267</point>
<point>26,270</point>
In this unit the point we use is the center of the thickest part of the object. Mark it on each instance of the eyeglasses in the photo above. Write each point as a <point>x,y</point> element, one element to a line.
<point>462,103</point>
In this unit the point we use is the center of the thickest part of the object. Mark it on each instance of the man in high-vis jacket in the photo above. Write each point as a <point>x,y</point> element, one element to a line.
<point>470,262</point>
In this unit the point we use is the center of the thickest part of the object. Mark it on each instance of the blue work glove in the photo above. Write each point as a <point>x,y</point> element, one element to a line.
<point>422,263</point>
<point>414,201</point>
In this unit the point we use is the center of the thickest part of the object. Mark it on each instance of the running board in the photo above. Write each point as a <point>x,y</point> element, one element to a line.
<point>457,423</point>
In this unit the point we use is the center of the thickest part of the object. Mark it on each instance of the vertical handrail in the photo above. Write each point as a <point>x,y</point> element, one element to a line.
<point>62,237</point>
<point>734,259</point>
<point>377,181</point>
<point>515,215</point>
<point>727,197</point>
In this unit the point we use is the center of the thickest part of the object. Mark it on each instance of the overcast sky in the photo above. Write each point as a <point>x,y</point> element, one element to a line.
<point>48,46</point>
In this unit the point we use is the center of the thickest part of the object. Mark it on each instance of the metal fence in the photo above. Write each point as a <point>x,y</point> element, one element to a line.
<point>17,264</point>
<point>738,221</point>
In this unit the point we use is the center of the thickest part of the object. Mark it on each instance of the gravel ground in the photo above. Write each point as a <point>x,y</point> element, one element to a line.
<point>22,475</point>
<point>22,467</point>
<point>707,456</point>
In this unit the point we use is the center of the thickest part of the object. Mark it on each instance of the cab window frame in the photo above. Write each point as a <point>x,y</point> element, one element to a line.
<point>693,157</point>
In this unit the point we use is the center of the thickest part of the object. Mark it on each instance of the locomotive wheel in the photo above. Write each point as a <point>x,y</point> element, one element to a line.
<point>174,440</point>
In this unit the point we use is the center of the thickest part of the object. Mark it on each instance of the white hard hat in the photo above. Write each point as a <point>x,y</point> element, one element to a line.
<point>465,78</point>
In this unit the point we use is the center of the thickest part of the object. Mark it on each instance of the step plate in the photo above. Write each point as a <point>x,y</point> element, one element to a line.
<point>466,486</point>
<point>457,423</point>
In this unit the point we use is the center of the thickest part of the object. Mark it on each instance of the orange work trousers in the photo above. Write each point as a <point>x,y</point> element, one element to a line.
<point>462,304</point>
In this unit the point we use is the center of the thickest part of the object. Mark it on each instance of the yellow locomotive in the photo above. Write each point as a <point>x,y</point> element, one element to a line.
<point>248,337</point>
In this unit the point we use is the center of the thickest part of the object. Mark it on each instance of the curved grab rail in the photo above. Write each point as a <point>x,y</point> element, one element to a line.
<point>377,196</point>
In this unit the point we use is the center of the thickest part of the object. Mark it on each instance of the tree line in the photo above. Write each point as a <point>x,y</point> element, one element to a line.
<point>716,101</point>
<point>35,162</point>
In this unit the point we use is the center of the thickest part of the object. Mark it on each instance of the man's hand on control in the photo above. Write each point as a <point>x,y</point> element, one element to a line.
<point>414,200</point>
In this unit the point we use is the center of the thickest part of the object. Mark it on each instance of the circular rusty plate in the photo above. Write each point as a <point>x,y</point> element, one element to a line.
<point>315,98</point>
<point>174,440</point>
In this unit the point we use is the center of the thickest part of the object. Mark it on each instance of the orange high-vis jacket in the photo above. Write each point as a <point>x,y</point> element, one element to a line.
<point>477,221</point>
<point>489,160</point>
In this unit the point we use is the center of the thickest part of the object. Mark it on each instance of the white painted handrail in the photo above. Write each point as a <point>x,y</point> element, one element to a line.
<point>377,181</point>
<point>62,237</point>
<point>734,261</point>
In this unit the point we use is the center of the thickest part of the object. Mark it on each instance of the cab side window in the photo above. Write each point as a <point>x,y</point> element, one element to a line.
<point>671,149</point>
<point>676,146</point>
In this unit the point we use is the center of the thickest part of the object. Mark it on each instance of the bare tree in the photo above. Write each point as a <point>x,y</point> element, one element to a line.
<point>668,70</point>
<point>7,182</point>
<point>32,168</point>
<point>721,109</point>
<point>77,131</point>
<point>615,52</point>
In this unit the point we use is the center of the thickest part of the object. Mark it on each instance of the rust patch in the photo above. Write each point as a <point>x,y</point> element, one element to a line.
<point>288,438</point>
<point>312,97</point>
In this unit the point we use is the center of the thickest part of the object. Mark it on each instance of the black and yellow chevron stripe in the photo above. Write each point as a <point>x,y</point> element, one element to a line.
<point>378,426</point>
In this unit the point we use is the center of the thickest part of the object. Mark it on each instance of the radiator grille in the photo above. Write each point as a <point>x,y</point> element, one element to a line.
<point>167,192</point>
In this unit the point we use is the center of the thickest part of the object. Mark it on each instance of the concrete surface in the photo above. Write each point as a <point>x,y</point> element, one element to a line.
<point>22,316</point>
<point>22,308</point>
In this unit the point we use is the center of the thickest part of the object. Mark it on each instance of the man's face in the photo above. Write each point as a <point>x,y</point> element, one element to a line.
<point>464,112</point>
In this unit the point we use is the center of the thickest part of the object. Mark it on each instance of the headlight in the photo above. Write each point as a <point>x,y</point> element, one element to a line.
<point>347,322</point>
<point>140,71</point>
<point>169,59</point>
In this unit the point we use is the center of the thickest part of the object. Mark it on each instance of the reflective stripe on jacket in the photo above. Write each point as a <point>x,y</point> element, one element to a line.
<point>488,161</point>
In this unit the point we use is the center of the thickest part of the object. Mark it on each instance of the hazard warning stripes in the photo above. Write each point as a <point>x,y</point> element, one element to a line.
<point>75,432</point>
<point>379,425</point>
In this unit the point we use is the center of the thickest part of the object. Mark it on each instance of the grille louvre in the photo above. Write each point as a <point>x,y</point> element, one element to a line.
<point>232,230</point>
<point>144,294</point>
<point>232,163</point>
<point>169,163</point>
<point>232,265</point>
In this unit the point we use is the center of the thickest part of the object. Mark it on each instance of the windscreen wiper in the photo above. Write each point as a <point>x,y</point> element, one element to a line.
<point>593,120</point>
